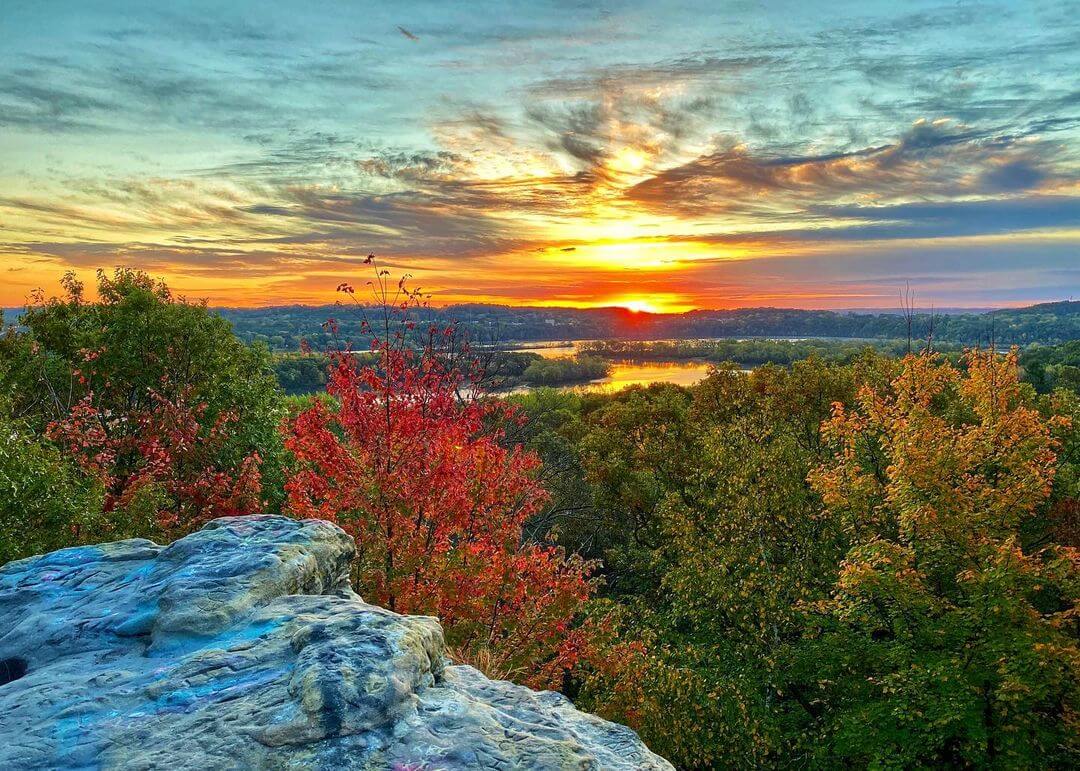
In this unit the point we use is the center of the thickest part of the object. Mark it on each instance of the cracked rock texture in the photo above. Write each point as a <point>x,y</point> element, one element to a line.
<point>242,646</point>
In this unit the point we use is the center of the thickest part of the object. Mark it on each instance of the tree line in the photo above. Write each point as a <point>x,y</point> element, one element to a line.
<point>283,328</point>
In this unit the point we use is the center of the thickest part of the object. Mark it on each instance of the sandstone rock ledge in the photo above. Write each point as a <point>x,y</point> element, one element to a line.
<point>242,646</point>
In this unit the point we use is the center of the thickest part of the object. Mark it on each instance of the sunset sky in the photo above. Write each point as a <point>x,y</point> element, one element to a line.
<point>659,155</point>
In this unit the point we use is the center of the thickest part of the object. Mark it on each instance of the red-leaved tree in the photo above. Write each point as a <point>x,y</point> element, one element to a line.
<point>161,462</point>
<point>410,460</point>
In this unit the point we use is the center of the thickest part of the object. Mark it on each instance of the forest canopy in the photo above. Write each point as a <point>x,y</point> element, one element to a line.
<point>853,556</point>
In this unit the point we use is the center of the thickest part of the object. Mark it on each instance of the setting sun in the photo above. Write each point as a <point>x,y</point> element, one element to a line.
<point>655,303</point>
<point>639,306</point>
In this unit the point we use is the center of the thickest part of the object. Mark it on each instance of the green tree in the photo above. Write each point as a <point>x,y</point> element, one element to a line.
<point>97,374</point>
<point>46,502</point>
<point>552,428</point>
<point>725,540</point>
<point>1048,367</point>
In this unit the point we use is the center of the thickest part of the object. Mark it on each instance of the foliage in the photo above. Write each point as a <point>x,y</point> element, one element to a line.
<point>1052,366</point>
<point>410,463</point>
<point>153,396</point>
<point>1059,519</point>
<point>301,373</point>
<point>944,641</point>
<point>161,463</point>
<point>578,369</point>
<point>755,620</point>
<point>729,540</point>
<point>46,502</point>
<point>552,428</point>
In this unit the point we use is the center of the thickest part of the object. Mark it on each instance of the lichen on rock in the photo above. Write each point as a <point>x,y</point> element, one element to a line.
<point>243,646</point>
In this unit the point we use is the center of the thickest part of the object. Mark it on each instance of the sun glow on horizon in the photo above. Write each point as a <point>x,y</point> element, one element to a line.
<point>639,306</point>
<point>656,303</point>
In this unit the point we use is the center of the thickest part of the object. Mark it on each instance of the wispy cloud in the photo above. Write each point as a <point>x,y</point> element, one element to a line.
<point>571,154</point>
<point>932,159</point>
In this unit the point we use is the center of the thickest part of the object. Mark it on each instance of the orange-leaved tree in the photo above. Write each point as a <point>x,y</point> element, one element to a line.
<point>947,639</point>
<point>409,458</point>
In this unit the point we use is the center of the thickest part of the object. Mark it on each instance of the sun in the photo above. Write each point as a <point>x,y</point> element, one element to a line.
<point>639,306</point>
<point>628,160</point>
<point>657,302</point>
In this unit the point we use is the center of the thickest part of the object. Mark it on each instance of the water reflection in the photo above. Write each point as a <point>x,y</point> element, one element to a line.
<point>627,373</point>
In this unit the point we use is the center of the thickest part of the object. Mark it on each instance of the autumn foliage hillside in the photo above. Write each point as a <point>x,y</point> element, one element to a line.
<point>870,563</point>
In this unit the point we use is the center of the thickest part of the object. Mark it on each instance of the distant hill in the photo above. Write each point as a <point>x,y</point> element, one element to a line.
<point>282,328</point>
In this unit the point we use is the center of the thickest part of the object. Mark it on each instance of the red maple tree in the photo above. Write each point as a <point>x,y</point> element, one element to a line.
<point>410,459</point>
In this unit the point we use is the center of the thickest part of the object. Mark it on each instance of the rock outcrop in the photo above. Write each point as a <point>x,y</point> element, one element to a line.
<point>242,646</point>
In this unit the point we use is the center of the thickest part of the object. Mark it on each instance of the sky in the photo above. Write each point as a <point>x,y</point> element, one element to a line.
<point>657,155</point>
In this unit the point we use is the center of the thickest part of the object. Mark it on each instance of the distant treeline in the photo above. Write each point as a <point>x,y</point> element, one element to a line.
<point>1050,367</point>
<point>747,352</point>
<point>284,328</point>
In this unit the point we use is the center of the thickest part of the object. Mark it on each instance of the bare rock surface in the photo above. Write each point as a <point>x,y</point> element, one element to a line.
<point>242,646</point>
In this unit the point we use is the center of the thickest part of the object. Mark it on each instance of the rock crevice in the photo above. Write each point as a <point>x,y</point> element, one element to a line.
<point>243,646</point>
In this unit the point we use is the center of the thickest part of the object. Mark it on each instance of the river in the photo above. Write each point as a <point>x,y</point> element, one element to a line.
<point>629,373</point>
<point>623,373</point>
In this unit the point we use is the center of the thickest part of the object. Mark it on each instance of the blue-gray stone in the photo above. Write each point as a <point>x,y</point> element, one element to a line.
<point>242,646</point>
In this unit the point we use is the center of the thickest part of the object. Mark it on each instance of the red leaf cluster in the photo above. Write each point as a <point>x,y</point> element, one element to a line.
<point>170,446</point>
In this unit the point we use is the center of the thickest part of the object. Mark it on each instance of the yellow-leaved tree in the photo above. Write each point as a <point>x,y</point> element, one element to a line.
<point>947,638</point>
